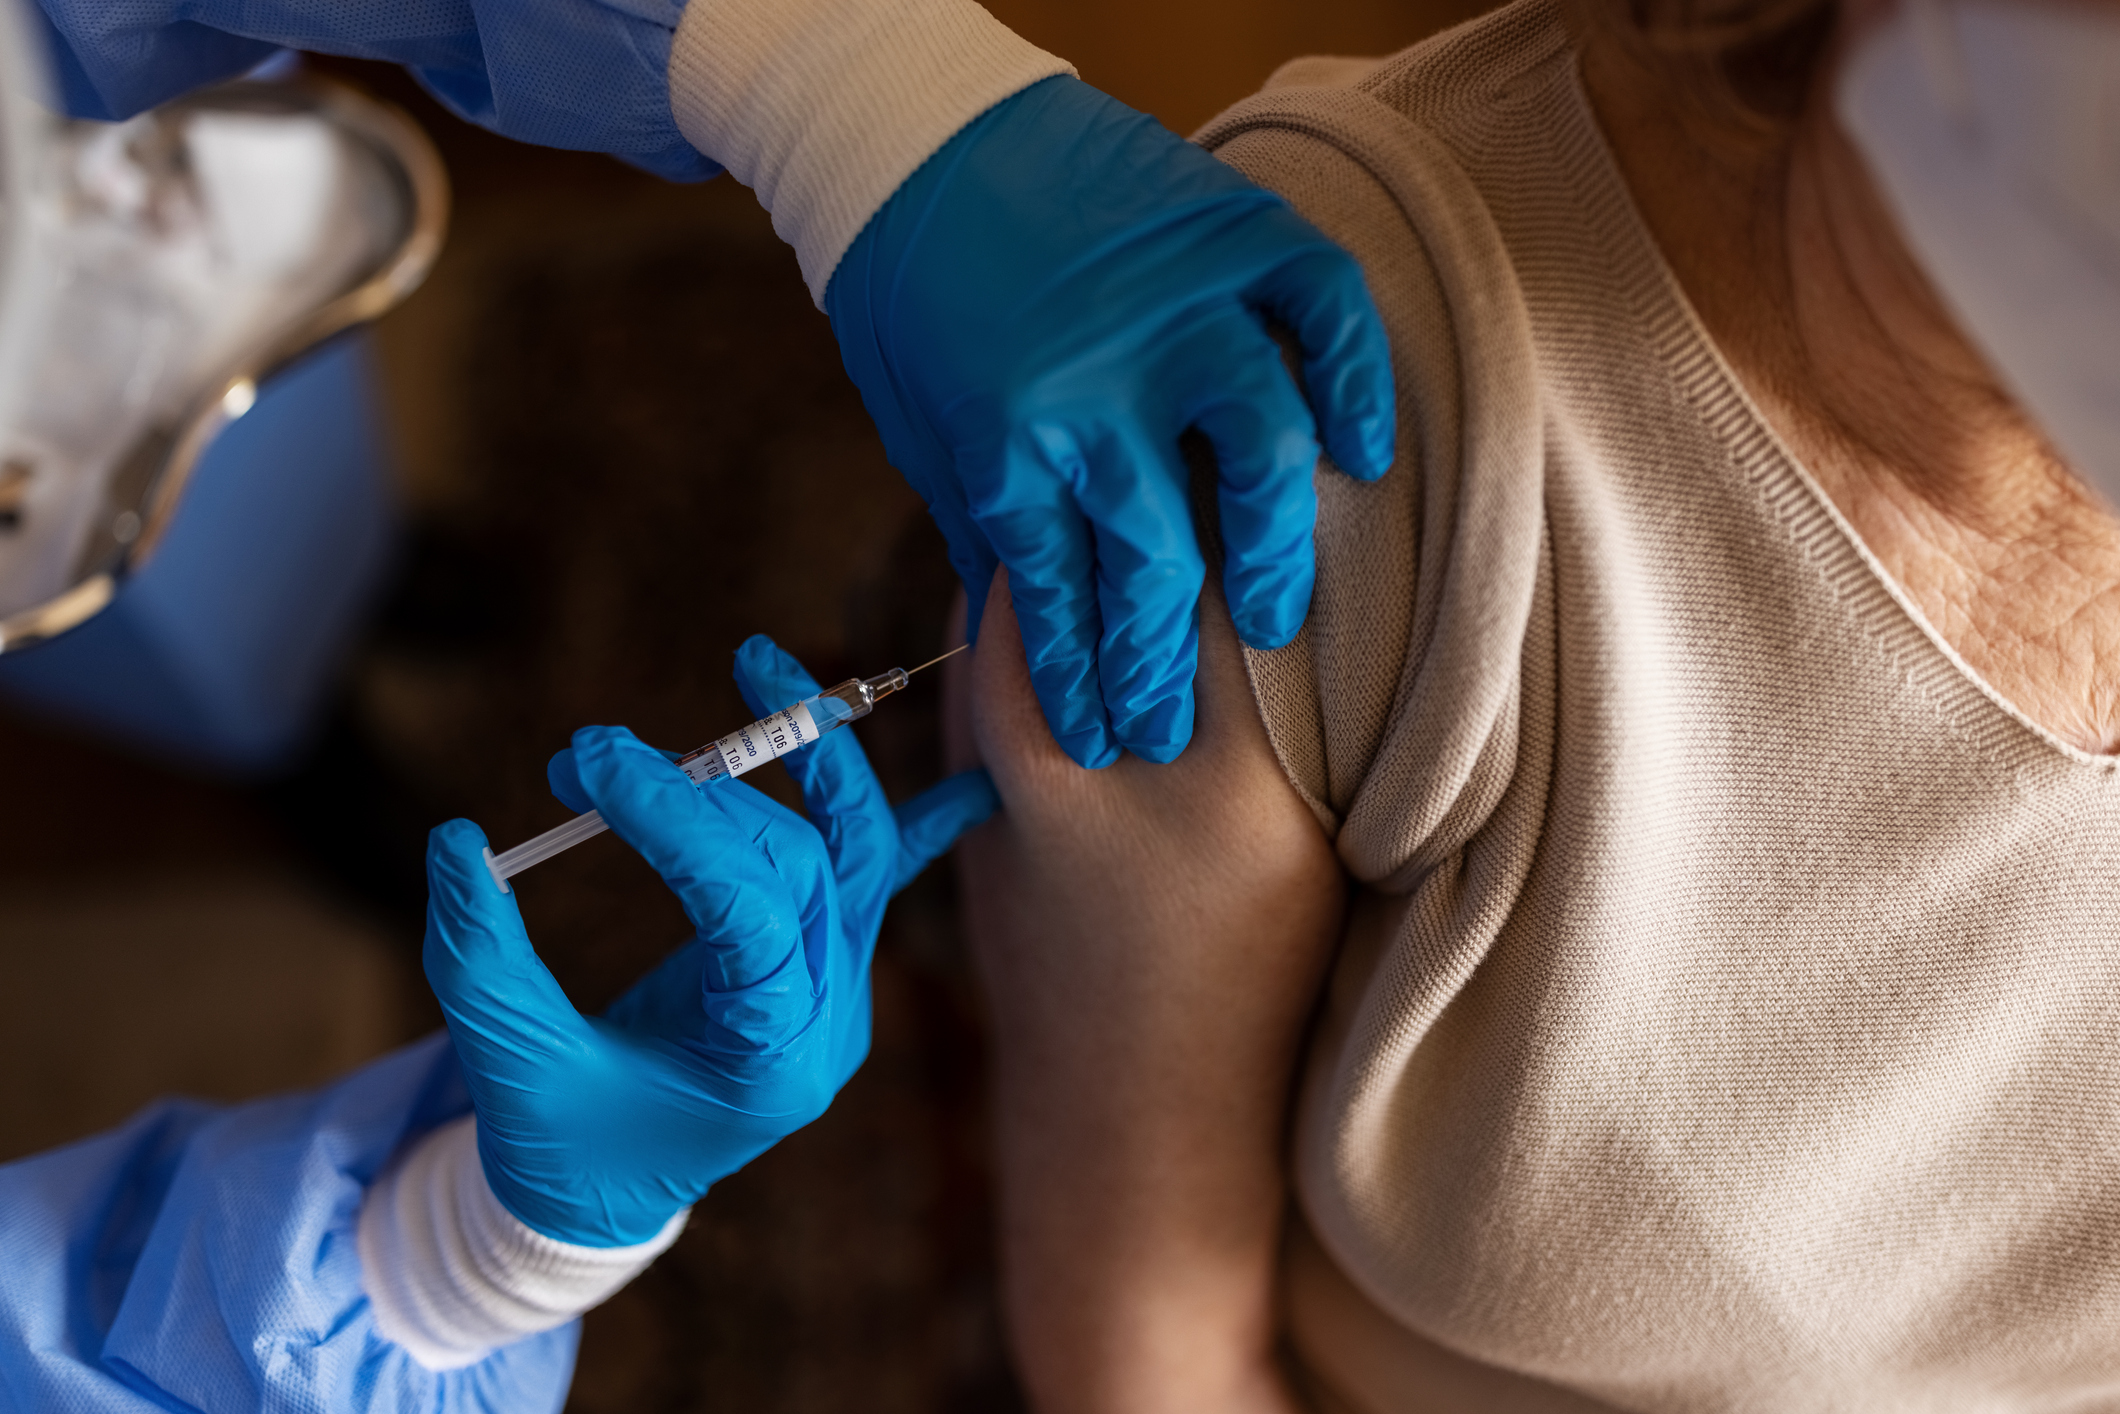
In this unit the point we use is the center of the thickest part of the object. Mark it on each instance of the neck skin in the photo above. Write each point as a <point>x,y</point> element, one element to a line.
<point>1793,263</point>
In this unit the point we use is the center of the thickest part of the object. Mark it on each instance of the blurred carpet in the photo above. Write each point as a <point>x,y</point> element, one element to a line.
<point>216,985</point>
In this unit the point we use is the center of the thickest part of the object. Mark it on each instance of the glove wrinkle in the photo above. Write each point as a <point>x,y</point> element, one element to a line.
<point>1034,320</point>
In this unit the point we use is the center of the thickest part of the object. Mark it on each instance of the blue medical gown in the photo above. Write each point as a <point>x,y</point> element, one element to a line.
<point>586,74</point>
<point>202,1258</point>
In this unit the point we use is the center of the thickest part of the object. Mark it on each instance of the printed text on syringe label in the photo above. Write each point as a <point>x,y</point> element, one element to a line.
<point>787,730</point>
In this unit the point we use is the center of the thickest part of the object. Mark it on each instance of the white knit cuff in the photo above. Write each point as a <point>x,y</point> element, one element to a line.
<point>825,107</point>
<point>452,1275</point>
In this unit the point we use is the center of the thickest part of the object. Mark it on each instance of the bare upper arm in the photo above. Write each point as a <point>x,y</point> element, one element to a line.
<point>1152,939</point>
<point>1218,825</point>
<point>1208,876</point>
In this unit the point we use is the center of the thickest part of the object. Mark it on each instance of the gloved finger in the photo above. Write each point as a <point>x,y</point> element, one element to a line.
<point>566,781</point>
<point>970,554</point>
<point>1265,457</point>
<point>839,788</point>
<point>931,821</point>
<point>1323,297</point>
<point>1149,572</point>
<point>747,886</point>
<point>504,1007</point>
<point>1029,513</point>
<point>682,1001</point>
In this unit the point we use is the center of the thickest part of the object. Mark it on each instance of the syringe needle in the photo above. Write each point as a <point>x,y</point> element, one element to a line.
<point>933,661</point>
<point>787,730</point>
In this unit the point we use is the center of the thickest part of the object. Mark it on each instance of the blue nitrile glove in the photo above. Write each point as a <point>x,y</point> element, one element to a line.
<point>587,74</point>
<point>597,1130</point>
<point>1035,316</point>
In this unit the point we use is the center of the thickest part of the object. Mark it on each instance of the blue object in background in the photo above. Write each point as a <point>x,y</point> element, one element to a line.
<point>220,649</point>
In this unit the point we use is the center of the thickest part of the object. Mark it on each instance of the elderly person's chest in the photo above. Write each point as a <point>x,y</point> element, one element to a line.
<point>1729,1025</point>
<point>1790,1075</point>
<point>2020,576</point>
<point>1794,267</point>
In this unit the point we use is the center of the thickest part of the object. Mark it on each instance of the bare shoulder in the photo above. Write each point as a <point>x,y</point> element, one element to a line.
<point>1212,819</point>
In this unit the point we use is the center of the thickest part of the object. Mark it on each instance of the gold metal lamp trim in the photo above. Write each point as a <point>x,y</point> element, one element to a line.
<point>179,449</point>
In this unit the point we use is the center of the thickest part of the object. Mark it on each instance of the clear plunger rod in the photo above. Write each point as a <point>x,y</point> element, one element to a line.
<point>789,729</point>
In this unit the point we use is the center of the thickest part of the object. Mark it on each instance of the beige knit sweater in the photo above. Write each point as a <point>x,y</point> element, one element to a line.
<point>1730,1013</point>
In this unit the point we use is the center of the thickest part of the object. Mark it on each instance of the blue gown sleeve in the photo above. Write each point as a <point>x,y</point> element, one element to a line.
<point>585,74</point>
<point>202,1259</point>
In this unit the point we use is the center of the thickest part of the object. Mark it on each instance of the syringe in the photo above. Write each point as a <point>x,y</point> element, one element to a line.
<point>789,729</point>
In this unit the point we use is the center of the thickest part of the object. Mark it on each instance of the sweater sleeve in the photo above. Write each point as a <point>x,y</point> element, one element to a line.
<point>453,1276</point>
<point>825,107</point>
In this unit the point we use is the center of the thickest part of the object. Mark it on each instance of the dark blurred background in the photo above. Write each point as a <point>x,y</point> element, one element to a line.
<point>598,364</point>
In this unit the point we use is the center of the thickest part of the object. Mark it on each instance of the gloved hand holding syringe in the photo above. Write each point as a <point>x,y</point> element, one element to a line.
<point>770,737</point>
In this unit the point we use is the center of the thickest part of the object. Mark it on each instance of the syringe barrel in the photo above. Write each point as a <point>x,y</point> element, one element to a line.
<point>789,729</point>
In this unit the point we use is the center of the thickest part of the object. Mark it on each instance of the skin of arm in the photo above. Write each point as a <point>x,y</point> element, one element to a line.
<point>1152,940</point>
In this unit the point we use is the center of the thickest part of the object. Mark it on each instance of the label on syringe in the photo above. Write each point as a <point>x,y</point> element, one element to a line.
<point>789,729</point>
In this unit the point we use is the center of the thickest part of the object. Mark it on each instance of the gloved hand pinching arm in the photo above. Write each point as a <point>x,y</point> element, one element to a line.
<point>598,1130</point>
<point>1035,317</point>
